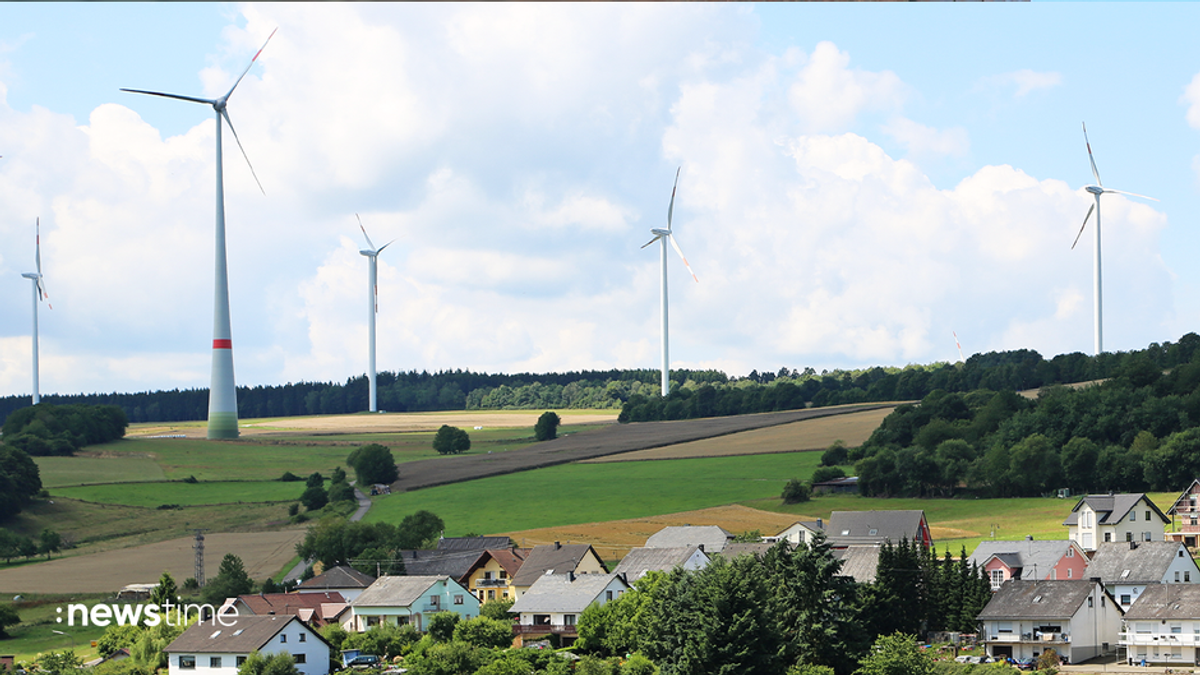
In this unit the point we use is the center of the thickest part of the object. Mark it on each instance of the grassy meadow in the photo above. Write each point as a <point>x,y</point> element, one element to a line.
<point>38,614</point>
<point>153,495</point>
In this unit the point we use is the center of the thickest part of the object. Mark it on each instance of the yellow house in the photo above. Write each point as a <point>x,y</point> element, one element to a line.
<point>490,576</point>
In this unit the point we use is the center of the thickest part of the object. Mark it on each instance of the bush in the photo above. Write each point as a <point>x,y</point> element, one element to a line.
<point>796,492</point>
<point>451,440</point>
<point>293,508</point>
<point>442,624</point>
<point>547,426</point>
<point>289,477</point>
<point>484,632</point>
<point>315,480</point>
<point>824,473</point>
<point>314,498</point>
<point>341,492</point>
<point>373,463</point>
<point>497,609</point>
<point>836,454</point>
<point>1048,661</point>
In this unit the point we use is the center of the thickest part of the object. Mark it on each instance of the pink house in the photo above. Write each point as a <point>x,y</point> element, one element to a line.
<point>1059,559</point>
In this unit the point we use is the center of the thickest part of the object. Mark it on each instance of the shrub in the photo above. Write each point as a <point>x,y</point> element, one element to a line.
<point>373,463</point>
<point>824,473</point>
<point>547,426</point>
<point>796,492</point>
<point>836,454</point>
<point>289,477</point>
<point>314,498</point>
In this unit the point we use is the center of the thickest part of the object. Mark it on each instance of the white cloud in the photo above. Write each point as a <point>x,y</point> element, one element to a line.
<point>1024,81</point>
<point>923,140</point>
<point>1191,96</point>
<point>828,95</point>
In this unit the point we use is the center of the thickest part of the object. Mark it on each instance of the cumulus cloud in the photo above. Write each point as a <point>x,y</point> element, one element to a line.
<point>828,94</point>
<point>1024,81</point>
<point>1191,97</point>
<point>924,140</point>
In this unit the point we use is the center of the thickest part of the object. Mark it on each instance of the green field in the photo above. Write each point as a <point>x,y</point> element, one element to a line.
<point>60,471</point>
<point>152,495</point>
<point>33,635</point>
<point>584,493</point>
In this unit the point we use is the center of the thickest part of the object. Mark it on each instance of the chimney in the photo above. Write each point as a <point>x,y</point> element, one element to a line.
<point>571,577</point>
<point>701,547</point>
<point>557,546</point>
<point>1132,545</point>
<point>820,524</point>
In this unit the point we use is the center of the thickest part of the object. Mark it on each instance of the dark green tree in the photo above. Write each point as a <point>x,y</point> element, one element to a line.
<point>231,581</point>
<point>484,632</point>
<point>497,609</point>
<point>315,479</point>
<point>547,426</point>
<point>451,440</point>
<point>441,626</point>
<point>257,663</point>
<point>373,464</point>
<point>314,498</point>
<point>796,491</point>
<point>49,542</point>
<point>8,617</point>
<point>164,591</point>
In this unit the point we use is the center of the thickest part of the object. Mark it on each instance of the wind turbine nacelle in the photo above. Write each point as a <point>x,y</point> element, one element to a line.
<point>659,232</point>
<point>367,252</point>
<point>31,275</point>
<point>1095,189</point>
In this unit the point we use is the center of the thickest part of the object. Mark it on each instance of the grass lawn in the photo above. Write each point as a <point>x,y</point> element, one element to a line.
<point>152,495</point>
<point>60,471</point>
<point>38,618</point>
<point>584,493</point>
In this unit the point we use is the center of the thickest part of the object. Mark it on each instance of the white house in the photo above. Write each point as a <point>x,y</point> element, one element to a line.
<point>639,561</point>
<point>553,603</point>
<point>345,580</point>
<point>1127,569</point>
<point>1077,618</point>
<point>410,599</point>
<point>1162,627</point>
<point>1098,519</point>
<point>209,648</point>
<point>800,532</point>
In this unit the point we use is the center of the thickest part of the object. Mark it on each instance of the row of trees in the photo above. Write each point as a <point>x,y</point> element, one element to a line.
<point>47,429</point>
<point>20,481</point>
<point>369,547</point>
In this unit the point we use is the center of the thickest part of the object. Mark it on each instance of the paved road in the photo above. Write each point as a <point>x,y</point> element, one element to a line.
<point>364,504</point>
<point>610,440</point>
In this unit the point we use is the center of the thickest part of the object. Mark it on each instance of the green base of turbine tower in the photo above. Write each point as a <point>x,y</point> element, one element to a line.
<point>222,425</point>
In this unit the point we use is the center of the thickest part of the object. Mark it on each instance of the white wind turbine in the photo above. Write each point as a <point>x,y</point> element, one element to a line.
<point>372,254</point>
<point>665,236</point>
<point>222,393</point>
<point>39,293</point>
<point>1097,190</point>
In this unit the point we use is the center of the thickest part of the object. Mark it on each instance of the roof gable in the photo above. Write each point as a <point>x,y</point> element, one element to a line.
<point>713,538</point>
<point>570,593</point>
<point>1028,599</point>
<point>1166,601</point>
<point>244,635</point>
<point>552,558</point>
<point>338,577</point>
<point>397,591</point>
<point>1112,508</point>
<point>875,527</point>
<point>1145,562</point>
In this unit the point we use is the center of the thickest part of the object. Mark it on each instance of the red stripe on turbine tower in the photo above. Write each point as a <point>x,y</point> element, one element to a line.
<point>222,344</point>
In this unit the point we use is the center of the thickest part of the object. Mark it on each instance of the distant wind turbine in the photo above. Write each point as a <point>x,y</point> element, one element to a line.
<point>666,236</point>
<point>222,393</point>
<point>956,344</point>
<point>1097,190</point>
<point>39,293</point>
<point>372,307</point>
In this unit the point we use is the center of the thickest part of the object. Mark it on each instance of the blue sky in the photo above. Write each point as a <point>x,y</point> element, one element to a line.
<point>859,180</point>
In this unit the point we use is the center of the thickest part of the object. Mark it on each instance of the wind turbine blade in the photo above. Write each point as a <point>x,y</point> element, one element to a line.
<point>1090,158</point>
<point>260,51</point>
<point>1081,227</point>
<point>193,99</point>
<point>385,246</point>
<point>38,248</point>
<point>652,241</point>
<point>225,114</point>
<point>683,257</point>
<point>364,230</point>
<point>671,208</point>
<point>1131,194</point>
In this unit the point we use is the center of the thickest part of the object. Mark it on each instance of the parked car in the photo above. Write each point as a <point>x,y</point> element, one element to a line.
<point>364,661</point>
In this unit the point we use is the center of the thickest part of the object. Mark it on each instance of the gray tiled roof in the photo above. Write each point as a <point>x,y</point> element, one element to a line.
<point>1026,599</point>
<point>1146,564</point>
<point>1166,601</point>
<point>553,558</point>
<point>855,527</point>
<point>338,577</point>
<point>712,537</point>
<point>859,562</point>
<point>737,548</point>
<point>471,543</point>
<point>1111,508</point>
<point>395,591</point>
<point>247,634</point>
<point>1035,558</point>
<point>450,562</point>
<point>641,560</point>
<point>558,593</point>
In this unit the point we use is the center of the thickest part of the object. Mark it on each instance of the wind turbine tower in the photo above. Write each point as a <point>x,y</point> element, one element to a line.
<point>1097,190</point>
<point>222,392</point>
<point>665,236</point>
<point>39,294</point>
<point>372,254</point>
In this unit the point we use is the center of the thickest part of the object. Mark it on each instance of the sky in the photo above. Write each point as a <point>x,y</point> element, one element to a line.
<point>858,183</point>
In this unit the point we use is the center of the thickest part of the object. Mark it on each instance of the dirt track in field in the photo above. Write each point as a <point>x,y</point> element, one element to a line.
<point>262,553</point>
<point>610,440</point>
<point>614,538</point>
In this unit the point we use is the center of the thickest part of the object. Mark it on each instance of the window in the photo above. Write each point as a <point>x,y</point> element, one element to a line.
<point>1147,518</point>
<point>187,662</point>
<point>240,660</point>
<point>487,576</point>
<point>1128,536</point>
<point>1145,536</point>
<point>283,638</point>
<point>1176,629</point>
<point>300,658</point>
<point>873,532</point>
<point>1176,576</point>
<point>458,599</point>
<point>608,595</point>
<point>214,662</point>
<point>1143,628</point>
<point>1070,573</point>
<point>1179,553</point>
<point>491,595</point>
<point>302,637</point>
<point>503,574</point>
<point>1003,626</point>
<point>1090,602</point>
<point>1071,551</point>
<point>433,600</point>
<point>1107,537</point>
<point>568,619</point>
<point>1132,516</point>
<point>1124,598</point>
<point>1187,577</point>
<point>997,577</point>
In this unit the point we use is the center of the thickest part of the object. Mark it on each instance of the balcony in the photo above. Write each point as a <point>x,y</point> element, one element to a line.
<point>491,583</point>
<point>1160,639</point>
<point>1032,638</point>
<point>543,629</point>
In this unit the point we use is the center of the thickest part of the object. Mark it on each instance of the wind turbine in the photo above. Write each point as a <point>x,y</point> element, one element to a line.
<point>372,306</point>
<point>665,236</point>
<point>39,293</point>
<point>1097,190</point>
<point>222,392</point>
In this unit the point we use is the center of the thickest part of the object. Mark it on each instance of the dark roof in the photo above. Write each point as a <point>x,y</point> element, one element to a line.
<point>247,634</point>
<point>874,527</point>
<point>1138,562</point>
<point>1111,508</point>
<point>1166,601</point>
<point>712,537</point>
<point>552,558</point>
<point>562,593</point>
<point>510,560</point>
<point>1027,599</point>
<point>1034,557</point>
<point>288,603</point>
<point>396,591</point>
<point>641,560</point>
<point>338,577</point>
<point>478,544</point>
<point>452,563</point>
<point>739,548</point>
<point>860,563</point>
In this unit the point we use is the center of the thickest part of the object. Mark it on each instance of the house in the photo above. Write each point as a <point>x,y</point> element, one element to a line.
<point>1189,516</point>
<point>210,648</point>
<point>848,528</point>
<point>453,563</point>
<point>1029,559</point>
<point>639,561</point>
<point>800,532</point>
<point>347,581</point>
<point>1126,569</point>
<point>315,609</point>
<point>552,605</point>
<point>1162,627</point>
<point>1098,519</point>
<point>477,544</point>
<point>557,558</point>
<point>713,538</point>
<point>410,600</point>
<point>1077,618</point>
<point>491,576</point>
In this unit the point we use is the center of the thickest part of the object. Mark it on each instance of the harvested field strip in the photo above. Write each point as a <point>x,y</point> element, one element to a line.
<point>81,470</point>
<point>263,554</point>
<point>585,493</point>
<point>613,539</point>
<point>153,495</point>
<point>815,434</point>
